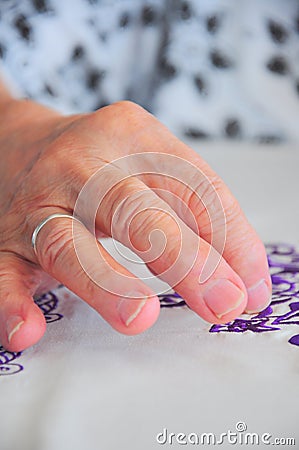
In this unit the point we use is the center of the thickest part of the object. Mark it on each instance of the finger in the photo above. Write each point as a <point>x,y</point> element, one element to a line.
<point>126,303</point>
<point>134,215</point>
<point>22,323</point>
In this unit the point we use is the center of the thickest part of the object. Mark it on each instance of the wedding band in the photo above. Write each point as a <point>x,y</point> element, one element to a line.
<point>43,223</point>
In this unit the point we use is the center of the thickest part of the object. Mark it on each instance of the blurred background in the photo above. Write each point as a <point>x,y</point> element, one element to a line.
<point>208,69</point>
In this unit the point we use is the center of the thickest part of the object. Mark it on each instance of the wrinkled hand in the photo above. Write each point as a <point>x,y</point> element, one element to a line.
<point>111,160</point>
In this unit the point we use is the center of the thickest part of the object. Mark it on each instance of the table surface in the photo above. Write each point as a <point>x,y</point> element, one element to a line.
<point>84,386</point>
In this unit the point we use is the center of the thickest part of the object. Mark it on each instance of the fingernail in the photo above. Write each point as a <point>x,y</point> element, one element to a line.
<point>259,297</point>
<point>13,325</point>
<point>130,306</point>
<point>222,297</point>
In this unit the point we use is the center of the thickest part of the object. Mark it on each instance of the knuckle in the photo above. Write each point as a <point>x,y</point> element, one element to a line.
<point>215,209</point>
<point>125,207</point>
<point>133,212</point>
<point>145,221</point>
<point>14,271</point>
<point>6,274</point>
<point>148,221</point>
<point>55,249</point>
<point>204,195</point>
<point>126,107</point>
<point>66,164</point>
<point>233,212</point>
<point>122,117</point>
<point>92,277</point>
<point>212,197</point>
<point>230,205</point>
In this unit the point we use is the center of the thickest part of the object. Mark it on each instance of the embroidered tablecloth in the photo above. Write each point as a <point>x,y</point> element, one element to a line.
<point>84,386</point>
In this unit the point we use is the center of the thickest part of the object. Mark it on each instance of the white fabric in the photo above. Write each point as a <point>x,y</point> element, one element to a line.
<point>84,386</point>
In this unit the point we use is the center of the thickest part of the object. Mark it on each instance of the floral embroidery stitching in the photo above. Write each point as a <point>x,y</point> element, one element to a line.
<point>283,261</point>
<point>283,311</point>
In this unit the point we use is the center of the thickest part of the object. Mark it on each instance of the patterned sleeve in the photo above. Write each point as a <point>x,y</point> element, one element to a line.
<point>206,68</point>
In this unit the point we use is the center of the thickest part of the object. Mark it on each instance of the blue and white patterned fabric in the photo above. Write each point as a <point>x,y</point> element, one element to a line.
<point>206,68</point>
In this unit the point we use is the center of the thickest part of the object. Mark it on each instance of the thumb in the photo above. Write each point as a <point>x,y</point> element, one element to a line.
<point>22,323</point>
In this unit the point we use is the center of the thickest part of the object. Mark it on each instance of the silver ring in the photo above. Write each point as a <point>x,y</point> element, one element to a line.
<point>43,223</point>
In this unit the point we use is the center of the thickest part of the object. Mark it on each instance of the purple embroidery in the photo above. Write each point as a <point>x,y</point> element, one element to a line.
<point>47,303</point>
<point>171,300</point>
<point>7,367</point>
<point>294,340</point>
<point>283,261</point>
<point>284,309</point>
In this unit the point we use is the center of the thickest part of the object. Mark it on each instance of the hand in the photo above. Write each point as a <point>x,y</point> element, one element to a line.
<point>47,159</point>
